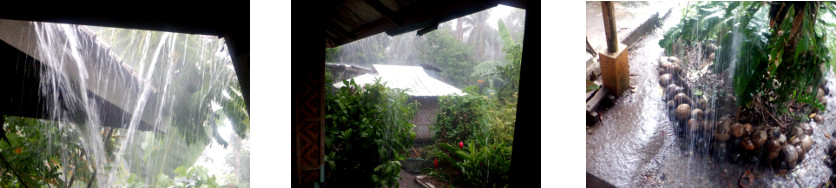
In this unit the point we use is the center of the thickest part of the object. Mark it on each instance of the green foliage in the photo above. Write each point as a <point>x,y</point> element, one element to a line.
<point>503,76</point>
<point>234,109</point>
<point>777,49</point>
<point>477,165</point>
<point>371,50</point>
<point>192,71</point>
<point>511,72</point>
<point>488,71</point>
<point>161,153</point>
<point>481,36</point>
<point>706,22</point>
<point>502,118</point>
<point>198,176</point>
<point>459,117</point>
<point>487,68</point>
<point>367,134</point>
<point>41,154</point>
<point>797,50</point>
<point>504,34</point>
<point>331,54</point>
<point>194,176</point>
<point>515,22</point>
<point>590,86</point>
<point>451,55</point>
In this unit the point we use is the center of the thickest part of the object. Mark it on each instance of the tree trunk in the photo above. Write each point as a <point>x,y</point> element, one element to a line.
<point>459,32</point>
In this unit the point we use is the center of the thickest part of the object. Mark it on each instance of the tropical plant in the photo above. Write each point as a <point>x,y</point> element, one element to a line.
<point>478,164</point>
<point>371,50</point>
<point>196,176</point>
<point>797,50</point>
<point>511,71</point>
<point>194,58</point>
<point>367,134</point>
<point>41,153</point>
<point>481,36</point>
<point>331,54</point>
<point>778,49</point>
<point>516,23</point>
<point>502,118</point>
<point>459,117</point>
<point>454,57</point>
<point>502,75</point>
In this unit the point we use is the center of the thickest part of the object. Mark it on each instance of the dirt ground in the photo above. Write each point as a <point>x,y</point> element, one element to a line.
<point>407,180</point>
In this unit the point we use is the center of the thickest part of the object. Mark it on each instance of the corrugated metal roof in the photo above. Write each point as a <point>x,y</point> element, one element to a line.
<point>407,77</point>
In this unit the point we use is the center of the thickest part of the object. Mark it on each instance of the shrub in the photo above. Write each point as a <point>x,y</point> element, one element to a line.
<point>477,165</point>
<point>459,116</point>
<point>367,134</point>
<point>502,118</point>
<point>486,125</point>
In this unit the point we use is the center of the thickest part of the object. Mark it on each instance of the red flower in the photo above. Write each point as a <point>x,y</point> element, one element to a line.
<point>435,161</point>
<point>461,145</point>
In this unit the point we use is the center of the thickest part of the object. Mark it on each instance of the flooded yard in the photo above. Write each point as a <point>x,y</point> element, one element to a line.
<point>635,144</point>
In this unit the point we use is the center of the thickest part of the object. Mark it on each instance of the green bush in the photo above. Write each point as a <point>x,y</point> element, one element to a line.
<point>485,124</point>
<point>502,118</point>
<point>451,55</point>
<point>367,134</point>
<point>477,165</point>
<point>459,117</point>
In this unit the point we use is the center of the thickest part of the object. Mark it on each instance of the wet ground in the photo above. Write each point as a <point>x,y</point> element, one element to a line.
<point>407,180</point>
<point>635,145</point>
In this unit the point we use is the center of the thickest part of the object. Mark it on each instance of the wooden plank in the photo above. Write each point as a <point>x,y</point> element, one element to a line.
<point>642,30</point>
<point>339,30</point>
<point>593,103</point>
<point>384,11</point>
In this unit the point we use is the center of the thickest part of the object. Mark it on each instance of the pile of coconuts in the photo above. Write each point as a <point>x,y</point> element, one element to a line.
<point>726,137</point>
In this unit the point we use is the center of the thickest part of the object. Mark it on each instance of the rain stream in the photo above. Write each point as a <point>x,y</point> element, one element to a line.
<point>640,142</point>
<point>174,89</point>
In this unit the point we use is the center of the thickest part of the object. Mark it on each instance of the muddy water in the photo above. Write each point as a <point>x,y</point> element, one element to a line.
<point>635,132</point>
<point>635,145</point>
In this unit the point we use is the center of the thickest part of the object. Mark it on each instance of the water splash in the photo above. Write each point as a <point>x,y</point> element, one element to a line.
<point>166,94</point>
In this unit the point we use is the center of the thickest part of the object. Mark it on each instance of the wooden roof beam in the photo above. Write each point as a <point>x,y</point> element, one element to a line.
<point>384,11</point>
<point>340,30</point>
<point>426,30</point>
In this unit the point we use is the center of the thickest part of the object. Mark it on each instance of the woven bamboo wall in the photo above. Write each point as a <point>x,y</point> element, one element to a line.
<point>425,117</point>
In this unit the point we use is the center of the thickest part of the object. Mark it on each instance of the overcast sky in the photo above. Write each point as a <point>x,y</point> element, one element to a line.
<point>500,11</point>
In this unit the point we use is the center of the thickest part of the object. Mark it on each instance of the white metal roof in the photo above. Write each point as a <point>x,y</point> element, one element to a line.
<point>407,77</point>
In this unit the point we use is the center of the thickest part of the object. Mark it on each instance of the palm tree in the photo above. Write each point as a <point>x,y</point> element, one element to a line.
<point>459,32</point>
<point>481,36</point>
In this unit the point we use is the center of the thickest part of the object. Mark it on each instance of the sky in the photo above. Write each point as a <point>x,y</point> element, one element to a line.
<point>500,11</point>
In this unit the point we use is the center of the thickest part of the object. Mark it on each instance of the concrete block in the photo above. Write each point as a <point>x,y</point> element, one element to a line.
<point>615,70</point>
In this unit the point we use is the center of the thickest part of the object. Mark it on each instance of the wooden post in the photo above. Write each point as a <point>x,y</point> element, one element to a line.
<point>609,26</point>
<point>615,67</point>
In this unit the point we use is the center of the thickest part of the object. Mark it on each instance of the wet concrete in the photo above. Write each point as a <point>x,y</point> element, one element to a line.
<point>635,145</point>
<point>635,132</point>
